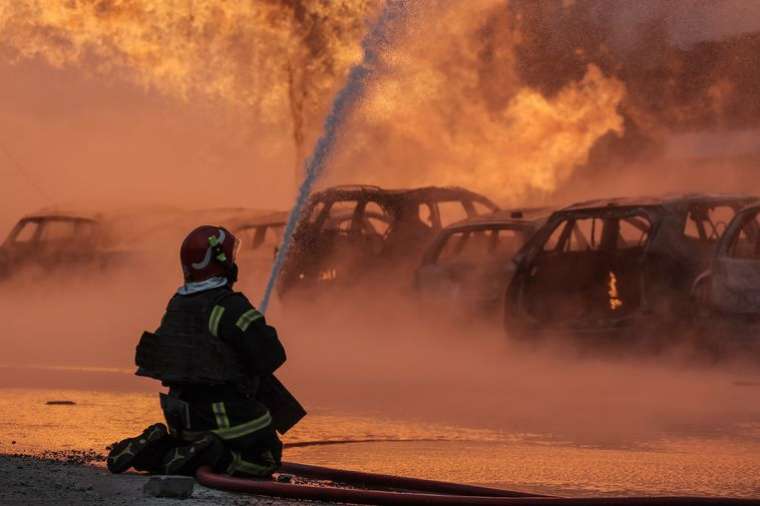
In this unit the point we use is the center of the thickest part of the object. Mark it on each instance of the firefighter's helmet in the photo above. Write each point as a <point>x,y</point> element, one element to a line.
<point>207,252</point>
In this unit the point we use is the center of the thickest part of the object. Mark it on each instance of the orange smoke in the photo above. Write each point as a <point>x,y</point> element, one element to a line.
<point>435,116</point>
<point>439,107</point>
<point>533,144</point>
<point>508,98</point>
<point>273,59</point>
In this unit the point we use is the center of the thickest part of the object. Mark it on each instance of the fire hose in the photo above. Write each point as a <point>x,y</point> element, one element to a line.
<point>397,490</point>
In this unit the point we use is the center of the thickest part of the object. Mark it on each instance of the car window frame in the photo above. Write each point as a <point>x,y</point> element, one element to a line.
<point>12,237</point>
<point>533,249</point>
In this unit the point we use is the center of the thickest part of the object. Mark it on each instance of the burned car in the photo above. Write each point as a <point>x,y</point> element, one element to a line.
<point>469,264</point>
<point>261,233</point>
<point>52,240</point>
<point>601,266</point>
<point>260,237</point>
<point>348,233</point>
<point>731,286</point>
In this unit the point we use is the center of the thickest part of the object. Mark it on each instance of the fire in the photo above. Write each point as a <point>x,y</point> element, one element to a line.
<point>441,114</point>
<point>615,302</point>
<point>328,275</point>
<point>277,62</point>
<point>508,98</point>
<point>449,102</point>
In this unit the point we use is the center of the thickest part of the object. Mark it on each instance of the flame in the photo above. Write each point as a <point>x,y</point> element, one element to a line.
<point>273,59</point>
<point>615,302</point>
<point>442,115</point>
<point>508,98</point>
<point>328,275</point>
<point>450,102</point>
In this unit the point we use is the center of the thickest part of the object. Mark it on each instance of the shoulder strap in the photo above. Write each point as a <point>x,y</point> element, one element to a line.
<point>216,310</point>
<point>248,315</point>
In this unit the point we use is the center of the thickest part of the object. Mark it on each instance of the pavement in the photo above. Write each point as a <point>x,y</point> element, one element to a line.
<point>77,478</point>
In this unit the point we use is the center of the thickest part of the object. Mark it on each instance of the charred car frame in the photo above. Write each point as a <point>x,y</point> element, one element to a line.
<point>51,241</point>
<point>348,233</point>
<point>468,265</point>
<point>601,266</point>
<point>731,286</point>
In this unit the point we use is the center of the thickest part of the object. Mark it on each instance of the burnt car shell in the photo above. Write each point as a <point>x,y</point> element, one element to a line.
<point>732,284</point>
<point>261,231</point>
<point>51,240</point>
<point>599,266</point>
<point>469,264</point>
<point>348,233</point>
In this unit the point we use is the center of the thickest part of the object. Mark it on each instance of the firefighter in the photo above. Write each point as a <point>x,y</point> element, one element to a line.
<point>216,354</point>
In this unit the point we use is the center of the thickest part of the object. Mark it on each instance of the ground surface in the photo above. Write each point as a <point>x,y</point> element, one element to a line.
<point>72,479</point>
<point>709,445</point>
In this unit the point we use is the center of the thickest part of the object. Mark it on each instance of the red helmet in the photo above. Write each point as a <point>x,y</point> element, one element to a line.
<point>207,252</point>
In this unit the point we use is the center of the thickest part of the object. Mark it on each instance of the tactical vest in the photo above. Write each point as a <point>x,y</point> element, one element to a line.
<point>183,351</point>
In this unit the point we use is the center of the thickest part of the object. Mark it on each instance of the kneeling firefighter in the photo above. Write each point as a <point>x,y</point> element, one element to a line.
<point>216,354</point>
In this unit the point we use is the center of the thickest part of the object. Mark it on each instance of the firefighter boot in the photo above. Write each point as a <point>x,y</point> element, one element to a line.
<point>184,460</point>
<point>137,451</point>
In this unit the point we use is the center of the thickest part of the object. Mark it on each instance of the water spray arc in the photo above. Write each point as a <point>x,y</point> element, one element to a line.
<point>344,103</point>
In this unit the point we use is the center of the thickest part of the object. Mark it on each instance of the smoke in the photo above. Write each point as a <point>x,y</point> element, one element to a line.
<point>687,67</point>
<point>98,149</point>
<point>386,357</point>
<point>517,99</point>
<point>280,62</point>
<point>393,357</point>
<point>277,62</point>
<point>377,40</point>
<point>481,96</point>
<point>242,52</point>
<point>451,109</point>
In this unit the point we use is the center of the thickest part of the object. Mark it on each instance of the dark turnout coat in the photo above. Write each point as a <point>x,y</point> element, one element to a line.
<point>217,354</point>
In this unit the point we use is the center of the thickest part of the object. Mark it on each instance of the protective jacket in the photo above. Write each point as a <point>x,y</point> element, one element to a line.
<point>186,349</point>
<point>214,346</point>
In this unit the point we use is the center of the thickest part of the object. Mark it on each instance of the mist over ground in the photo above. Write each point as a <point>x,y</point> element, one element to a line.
<point>392,358</point>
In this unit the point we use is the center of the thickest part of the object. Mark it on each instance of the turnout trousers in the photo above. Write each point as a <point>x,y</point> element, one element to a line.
<point>250,445</point>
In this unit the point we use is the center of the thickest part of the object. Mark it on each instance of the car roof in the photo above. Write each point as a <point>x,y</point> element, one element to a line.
<point>276,218</point>
<point>667,201</point>
<point>754,205</point>
<point>522,217</point>
<point>351,192</point>
<point>57,216</point>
